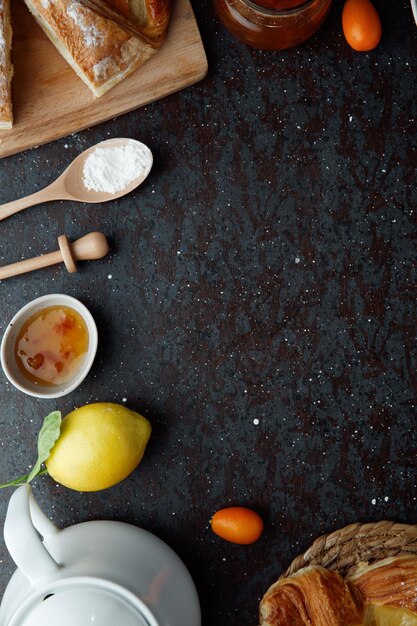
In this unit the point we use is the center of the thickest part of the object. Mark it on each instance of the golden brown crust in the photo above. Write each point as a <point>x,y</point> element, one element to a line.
<point>6,70</point>
<point>151,16</point>
<point>382,593</point>
<point>391,582</point>
<point>312,596</point>
<point>120,5</point>
<point>158,11</point>
<point>99,49</point>
<point>154,12</point>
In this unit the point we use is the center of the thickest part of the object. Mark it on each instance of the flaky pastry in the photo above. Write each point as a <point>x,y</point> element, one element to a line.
<point>382,594</point>
<point>6,69</point>
<point>100,51</point>
<point>313,596</point>
<point>389,590</point>
<point>102,40</point>
<point>149,18</point>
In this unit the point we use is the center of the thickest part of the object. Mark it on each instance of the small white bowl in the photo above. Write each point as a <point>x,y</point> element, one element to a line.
<point>8,361</point>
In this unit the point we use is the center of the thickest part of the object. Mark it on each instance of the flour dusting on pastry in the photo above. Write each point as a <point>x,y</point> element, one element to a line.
<point>92,36</point>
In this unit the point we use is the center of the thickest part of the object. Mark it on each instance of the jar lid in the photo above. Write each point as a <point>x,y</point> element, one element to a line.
<point>83,607</point>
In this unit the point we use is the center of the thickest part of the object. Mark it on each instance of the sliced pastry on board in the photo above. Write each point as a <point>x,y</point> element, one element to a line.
<point>148,17</point>
<point>100,44</point>
<point>6,69</point>
<point>382,594</point>
<point>102,40</point>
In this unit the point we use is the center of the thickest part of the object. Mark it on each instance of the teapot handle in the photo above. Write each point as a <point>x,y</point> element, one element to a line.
<point>24,524</point>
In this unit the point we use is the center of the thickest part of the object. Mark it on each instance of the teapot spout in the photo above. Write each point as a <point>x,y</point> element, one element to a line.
<point>23,527</point>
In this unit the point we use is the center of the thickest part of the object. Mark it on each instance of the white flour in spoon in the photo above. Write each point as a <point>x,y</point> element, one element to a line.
<point>112,169</point>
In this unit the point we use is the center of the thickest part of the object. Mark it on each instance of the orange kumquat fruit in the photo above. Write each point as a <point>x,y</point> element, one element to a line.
<point>237,525</point>
<point>361,25</point>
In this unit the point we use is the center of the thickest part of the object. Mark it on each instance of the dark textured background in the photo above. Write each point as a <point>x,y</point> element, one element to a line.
<point>258,304</point>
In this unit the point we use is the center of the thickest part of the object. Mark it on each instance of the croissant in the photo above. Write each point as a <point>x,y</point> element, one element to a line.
<point>382,594</point>
<point>389,591</point>
<point>313,596</point>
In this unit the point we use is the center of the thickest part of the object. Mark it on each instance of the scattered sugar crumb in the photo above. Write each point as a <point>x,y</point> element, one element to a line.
<point>373,501</point>
<point>256,421</point>
<point>297,259</point>
<point>109,276</point>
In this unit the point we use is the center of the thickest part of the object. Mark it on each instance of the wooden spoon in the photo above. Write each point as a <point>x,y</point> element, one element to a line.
<point>91,246</point>
<point>70,185</point>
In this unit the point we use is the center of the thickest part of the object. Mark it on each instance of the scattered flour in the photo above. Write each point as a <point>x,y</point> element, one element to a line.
<point>112,169</point>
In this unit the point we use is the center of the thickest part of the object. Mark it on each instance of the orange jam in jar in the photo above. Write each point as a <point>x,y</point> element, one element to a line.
<point>272,24</point>
<point>51,346</point>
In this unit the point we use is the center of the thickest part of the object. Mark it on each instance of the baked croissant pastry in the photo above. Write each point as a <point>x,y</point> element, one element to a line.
<point>382,594</point>
<point>6,69</point>
<point>313,596</point>
<point>100,51</point>
<point>389,591</point>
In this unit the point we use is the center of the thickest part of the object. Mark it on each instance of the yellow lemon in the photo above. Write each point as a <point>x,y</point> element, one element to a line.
<point>99,445</point>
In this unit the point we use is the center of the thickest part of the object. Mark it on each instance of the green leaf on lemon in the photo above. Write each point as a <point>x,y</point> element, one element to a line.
<point>47,437</point>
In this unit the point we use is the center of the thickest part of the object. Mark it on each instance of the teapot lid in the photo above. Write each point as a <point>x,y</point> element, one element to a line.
<point>76,606</point>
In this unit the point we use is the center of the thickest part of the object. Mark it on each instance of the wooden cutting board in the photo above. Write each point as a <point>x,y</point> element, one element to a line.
<point>50,101</point>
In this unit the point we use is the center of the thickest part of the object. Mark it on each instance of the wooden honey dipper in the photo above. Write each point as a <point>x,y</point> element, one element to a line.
<point>91,246</point>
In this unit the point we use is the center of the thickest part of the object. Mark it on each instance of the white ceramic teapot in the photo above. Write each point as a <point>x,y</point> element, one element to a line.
<point>91,574</point>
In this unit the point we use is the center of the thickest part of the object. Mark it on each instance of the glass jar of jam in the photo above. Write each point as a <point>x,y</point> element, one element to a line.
<point>272,24</point>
